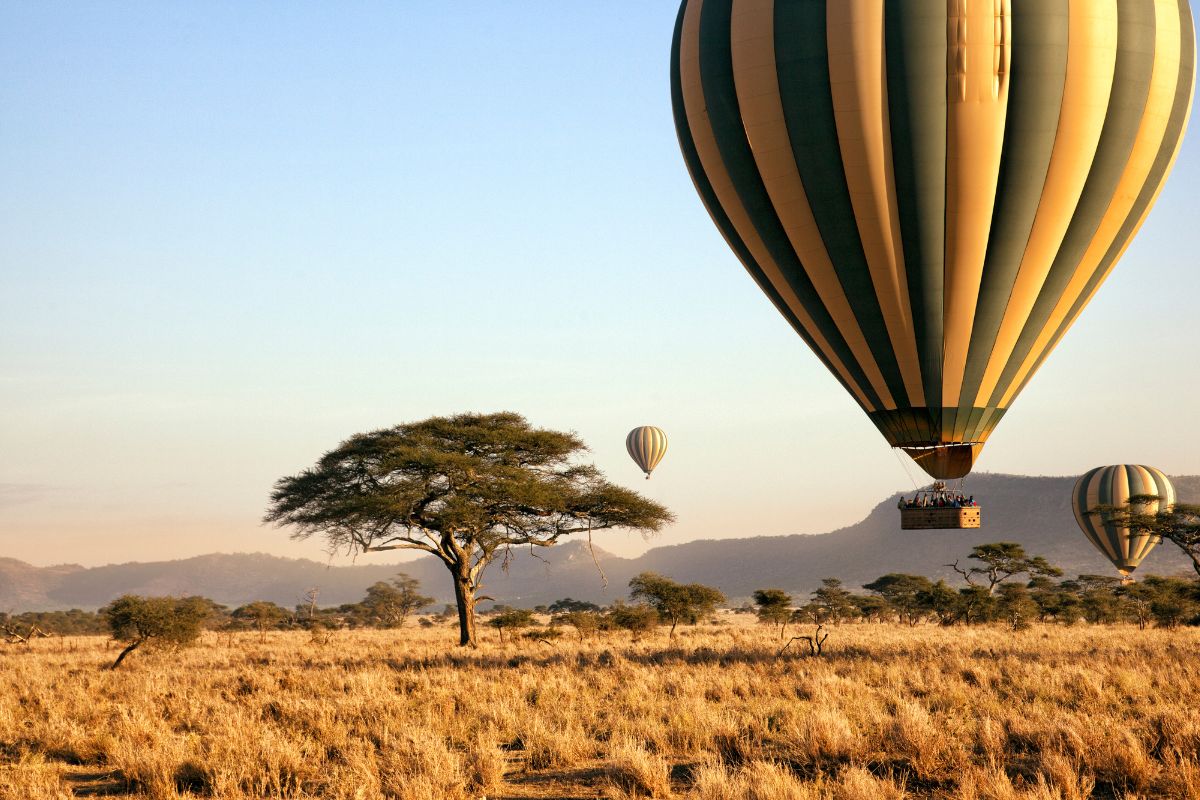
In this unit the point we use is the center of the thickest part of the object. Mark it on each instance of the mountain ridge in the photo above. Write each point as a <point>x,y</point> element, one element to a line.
<point>1032,510</point>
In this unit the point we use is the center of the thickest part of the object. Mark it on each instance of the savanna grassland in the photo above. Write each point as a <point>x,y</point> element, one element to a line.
<point>887,712</point>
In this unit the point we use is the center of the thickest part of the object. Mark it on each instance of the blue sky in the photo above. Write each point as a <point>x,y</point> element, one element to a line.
<point>233,234</point>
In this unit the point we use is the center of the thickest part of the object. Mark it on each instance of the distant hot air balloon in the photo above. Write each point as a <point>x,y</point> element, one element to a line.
<point>1113,486</point>
<point>931,192</point>
<point>646,445</point>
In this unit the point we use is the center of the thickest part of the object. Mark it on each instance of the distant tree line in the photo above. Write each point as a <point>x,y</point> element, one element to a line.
<point>386,605</point>
<point>62,623</point>
<point>999,584</point>
<point>1004,586</point>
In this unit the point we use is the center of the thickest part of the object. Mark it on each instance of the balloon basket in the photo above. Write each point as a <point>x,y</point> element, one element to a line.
<point>926,519</point>
<point>939,509</point>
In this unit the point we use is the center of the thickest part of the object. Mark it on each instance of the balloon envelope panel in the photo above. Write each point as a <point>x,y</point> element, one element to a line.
<point>930,192</point>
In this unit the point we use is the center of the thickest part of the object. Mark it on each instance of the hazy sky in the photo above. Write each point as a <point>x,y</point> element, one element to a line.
<point>233,234</point>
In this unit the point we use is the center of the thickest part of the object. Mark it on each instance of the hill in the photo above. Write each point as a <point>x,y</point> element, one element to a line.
<point>1034,511</point>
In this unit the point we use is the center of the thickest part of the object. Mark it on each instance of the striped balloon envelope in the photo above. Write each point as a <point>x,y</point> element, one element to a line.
<point>646,445</point>
<point>930,191</point>
<point>1113,486</point>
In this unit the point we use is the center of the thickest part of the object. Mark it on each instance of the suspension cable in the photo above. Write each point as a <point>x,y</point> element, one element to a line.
<point>895,451</point>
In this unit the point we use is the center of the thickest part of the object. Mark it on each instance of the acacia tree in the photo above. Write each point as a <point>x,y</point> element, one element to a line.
<point>637,619</point>
<point>464,489</point>
<point>155,620</point>
<point>390,604</point>
<point>675,602</point>
<point>774,607</point>
<point>1179,524</point>
<point>585,623</point>
<point>1001,561</point>
<point>835,599</point>
<point>905,594</point>
<point>513,619</point>
<point>262,615</point>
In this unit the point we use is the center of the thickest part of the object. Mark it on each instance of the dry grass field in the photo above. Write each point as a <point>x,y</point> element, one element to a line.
<point>889,712</point>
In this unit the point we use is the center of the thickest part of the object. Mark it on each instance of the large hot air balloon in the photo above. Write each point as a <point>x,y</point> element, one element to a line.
<point>646,445</point>
<point>1113,486</point>
<point>930,191</point>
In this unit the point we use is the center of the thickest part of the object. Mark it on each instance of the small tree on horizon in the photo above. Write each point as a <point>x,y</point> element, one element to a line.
<point>585,623</point>
<point>465,489</point>
<point>675,602</point>
<point>637,619</point>
<point>774,608</point>
<point>942,601</point>
<point>1098,599</point>
<point>511,620</point>
<point>904,593</point>
<point>835,599</point>
<point>391,603</point>
<point>1001,561</point>
<point>567,605</point>
<point>166,621</point>
<point>1016,605</point>
<point>262,615</point>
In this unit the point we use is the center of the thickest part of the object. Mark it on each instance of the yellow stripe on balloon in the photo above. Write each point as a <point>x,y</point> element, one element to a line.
<point>1091,63</point>
<point>752,38</point>
<point>1155,117</point>
<point>979,53</point>
<point>722,185</point>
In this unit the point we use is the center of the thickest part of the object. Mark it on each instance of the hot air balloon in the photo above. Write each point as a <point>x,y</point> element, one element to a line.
<point>931,192</point>
<point>646,445</point>
<point>1113,486</point>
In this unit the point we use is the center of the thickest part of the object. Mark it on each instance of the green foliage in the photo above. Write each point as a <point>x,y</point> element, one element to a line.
<point>976,604</point>
<point>512,619</point>
<point>942,601</point>
<point>834,600</point>
<point>585,623</point>
<point>262,615</point>
<point>75,622</point>
<point>675,602</point>
<point>463,489</point>
<point>774,607</point>
<point>155,620</point>
<point>1002,561</point>
<point>388,605</point>
<point>871,608</point>
<point>637,619</point>
<point>1169,602</point>
<point>903,593</point>
<point>567,605</point>
<point>1053,601</point>
<point>1016,606</point>
<point>814,613</point>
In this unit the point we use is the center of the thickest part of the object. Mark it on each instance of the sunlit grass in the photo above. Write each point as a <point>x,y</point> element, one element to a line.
<point>889,712</point>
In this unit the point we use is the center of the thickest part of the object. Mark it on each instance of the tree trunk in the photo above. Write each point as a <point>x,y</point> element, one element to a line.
<point>1195,557</point>
<point>134,646</point>
<point>464,596</point>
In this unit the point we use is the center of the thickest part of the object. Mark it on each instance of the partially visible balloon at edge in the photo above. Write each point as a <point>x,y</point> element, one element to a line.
<point>646,445</point>
<point>931,233</point>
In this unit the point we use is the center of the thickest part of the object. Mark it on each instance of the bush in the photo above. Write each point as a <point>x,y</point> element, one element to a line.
<point>511,619</point>
<point>155,620</point>
<point>637,619</point>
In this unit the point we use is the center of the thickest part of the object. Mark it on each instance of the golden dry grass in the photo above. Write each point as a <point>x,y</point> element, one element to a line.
<point>890,712</point>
